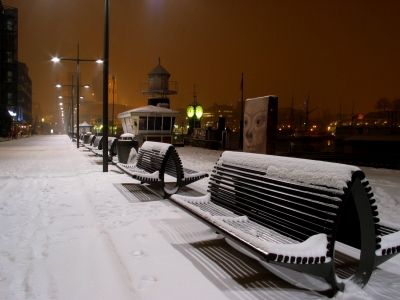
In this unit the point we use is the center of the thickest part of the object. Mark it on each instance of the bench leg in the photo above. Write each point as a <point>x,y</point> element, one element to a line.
<point>368,239</point>
<point>325,271</point>
<point>169,192</point>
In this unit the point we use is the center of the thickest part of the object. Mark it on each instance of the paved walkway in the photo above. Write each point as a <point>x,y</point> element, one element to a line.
<point>68,232</point>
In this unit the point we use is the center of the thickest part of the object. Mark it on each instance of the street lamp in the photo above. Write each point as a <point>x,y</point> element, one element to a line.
<point>72,103</point>
<point>77,60</point>
<point>68,112</point>
<point>105,83</point>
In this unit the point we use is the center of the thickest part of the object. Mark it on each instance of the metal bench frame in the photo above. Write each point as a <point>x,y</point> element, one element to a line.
<point>154,161</point>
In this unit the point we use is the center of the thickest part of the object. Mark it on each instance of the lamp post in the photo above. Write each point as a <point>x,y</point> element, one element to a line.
<point>112,126</point>
<point>105,84</point>
<point>72,105</point>
<point>69,112</point>
<point>77,60</point>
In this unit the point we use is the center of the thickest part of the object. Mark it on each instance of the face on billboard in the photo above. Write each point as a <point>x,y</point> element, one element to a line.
<point>255,126</point>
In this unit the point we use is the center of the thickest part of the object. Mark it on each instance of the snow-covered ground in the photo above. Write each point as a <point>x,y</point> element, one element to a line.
<point>67,232</point>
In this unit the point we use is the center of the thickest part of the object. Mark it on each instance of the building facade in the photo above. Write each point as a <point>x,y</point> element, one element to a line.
<point>24,95</point>
<point>15,83</point>
<point>9,58</point>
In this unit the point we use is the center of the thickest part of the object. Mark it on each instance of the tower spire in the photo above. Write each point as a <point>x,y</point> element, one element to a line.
<point>194,94</point>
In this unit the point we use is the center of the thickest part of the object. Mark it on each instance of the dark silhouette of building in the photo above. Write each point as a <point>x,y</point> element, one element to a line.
<point>9,58</point>
<point>15,83</point>
<point>24,94</point>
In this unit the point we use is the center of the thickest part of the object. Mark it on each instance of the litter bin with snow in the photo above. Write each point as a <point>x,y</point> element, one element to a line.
<point>124,146</point>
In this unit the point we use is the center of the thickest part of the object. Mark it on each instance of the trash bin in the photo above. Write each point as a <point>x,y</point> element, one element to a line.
<point>86,137</point>
<point>124,146</point>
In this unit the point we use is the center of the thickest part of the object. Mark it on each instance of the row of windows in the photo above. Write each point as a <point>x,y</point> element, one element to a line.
<point>156,123</point>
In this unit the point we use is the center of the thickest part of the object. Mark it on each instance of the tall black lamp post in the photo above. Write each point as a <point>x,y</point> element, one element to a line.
<point>105,84</point>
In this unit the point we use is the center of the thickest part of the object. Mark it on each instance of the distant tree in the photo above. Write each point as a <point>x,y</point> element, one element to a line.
<point>396,108</point>
<point>396,104</point>
<point>383,104</point>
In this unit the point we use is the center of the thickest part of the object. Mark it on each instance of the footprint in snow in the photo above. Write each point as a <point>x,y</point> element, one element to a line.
<point>118,224</point>
<point>137,254</point>
<point>146,281</point>
<point>155,206</point>
<point>139,236</point>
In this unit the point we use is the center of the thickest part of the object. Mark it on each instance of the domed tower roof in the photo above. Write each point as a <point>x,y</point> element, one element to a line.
<point>159,85</point>
<point>158,70</point>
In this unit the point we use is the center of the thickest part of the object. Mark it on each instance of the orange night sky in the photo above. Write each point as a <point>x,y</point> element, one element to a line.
<point>339,51</point>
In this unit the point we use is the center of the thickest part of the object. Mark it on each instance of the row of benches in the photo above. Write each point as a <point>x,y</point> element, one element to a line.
<point>285,211</point>
<point>95,145</point>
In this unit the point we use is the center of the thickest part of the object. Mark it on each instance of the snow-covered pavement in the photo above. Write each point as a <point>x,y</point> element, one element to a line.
<point>67,232</point>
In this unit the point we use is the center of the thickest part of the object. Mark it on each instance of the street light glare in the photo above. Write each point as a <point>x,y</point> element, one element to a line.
<point>55,59</point>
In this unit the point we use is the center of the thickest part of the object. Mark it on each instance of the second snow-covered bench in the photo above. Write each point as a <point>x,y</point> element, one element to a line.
<point>290,212</point>
<point>111,148</point>
<point>154,161</point>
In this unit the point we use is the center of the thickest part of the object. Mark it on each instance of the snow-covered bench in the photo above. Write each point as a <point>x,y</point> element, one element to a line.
<point>111,148</point>
<point>290,212</point>
<point>96,144</point>
<point>90,140</point>
<point>154,161</point>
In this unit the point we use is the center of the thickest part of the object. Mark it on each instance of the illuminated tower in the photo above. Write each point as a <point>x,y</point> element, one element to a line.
<point>194,112</point>
<point>159,86</point>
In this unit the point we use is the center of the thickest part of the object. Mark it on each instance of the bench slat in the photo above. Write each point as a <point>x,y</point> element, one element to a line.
<point>239,183</point>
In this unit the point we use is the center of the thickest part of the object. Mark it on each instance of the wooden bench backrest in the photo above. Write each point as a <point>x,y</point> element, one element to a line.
<point>296,197</point>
